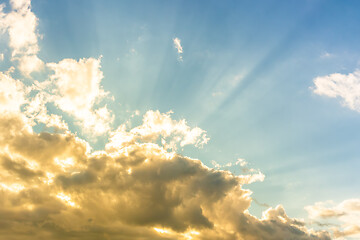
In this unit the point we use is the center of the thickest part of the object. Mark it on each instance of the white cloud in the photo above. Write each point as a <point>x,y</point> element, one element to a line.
<point>159,125</point>
<point>12,94</point>
<point>346,212</point>
<point>29,64</point>
<point>344,86</point>
<point>77,82</point>
<point>15,99</point>
<point>37,111</point>
<point>78,89</point>
<point>249,175</point>
<point>74,86</point>
<point>20,5</point>
<point>21,25</point>
<point>1,57</point>
<point>177,45</point>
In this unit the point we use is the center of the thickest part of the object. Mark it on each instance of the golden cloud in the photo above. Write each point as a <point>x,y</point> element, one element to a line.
<point>54,186</point>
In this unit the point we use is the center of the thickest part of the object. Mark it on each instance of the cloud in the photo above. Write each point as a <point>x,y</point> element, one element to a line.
<point>54,186</point>
<point>343,86</point>
<point>29,64</point>
<point>177,45</point>
<point>326,55</point>
<point>346,212</point>
<point>159,125</point>
<point>20,24</point>
<point>12,94</point>
<point>73,86</point>
<point>37,111</point>
<point>77,90</point>
<point>249,175</point>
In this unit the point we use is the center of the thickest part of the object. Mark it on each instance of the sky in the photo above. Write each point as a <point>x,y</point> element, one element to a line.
<point>179,119</point>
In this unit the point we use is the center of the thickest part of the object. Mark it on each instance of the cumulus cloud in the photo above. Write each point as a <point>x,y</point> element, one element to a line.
<point>346,212</point>
<point>15,98</point>
<point>29,64</point>
<point>159,125</point>
<point>36,110</point>
<point>177,45</point>
<point>20,24</point>
<point>54,186</point>
<point>74,86</point>
<point>343,86</point>
<point>12,94</point>
<point>77,90</point>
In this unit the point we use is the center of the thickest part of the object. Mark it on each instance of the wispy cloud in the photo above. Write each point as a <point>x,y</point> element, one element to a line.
<point>326,55</point>
<point>346,212</point>
<point>177,45</point>
<point>249,175</point>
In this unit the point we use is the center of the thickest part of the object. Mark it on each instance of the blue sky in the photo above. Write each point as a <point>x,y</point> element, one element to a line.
<point>270,117</point>
<point>246,76</point>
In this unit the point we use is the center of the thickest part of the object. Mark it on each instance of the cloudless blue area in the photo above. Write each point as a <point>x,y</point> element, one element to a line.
<point>246,78</point>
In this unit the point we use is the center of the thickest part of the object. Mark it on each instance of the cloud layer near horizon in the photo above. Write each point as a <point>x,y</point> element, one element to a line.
<point>54,186</point>
<point>347,213</point>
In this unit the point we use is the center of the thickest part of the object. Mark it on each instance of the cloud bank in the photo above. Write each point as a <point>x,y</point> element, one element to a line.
<point>54,186</point>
